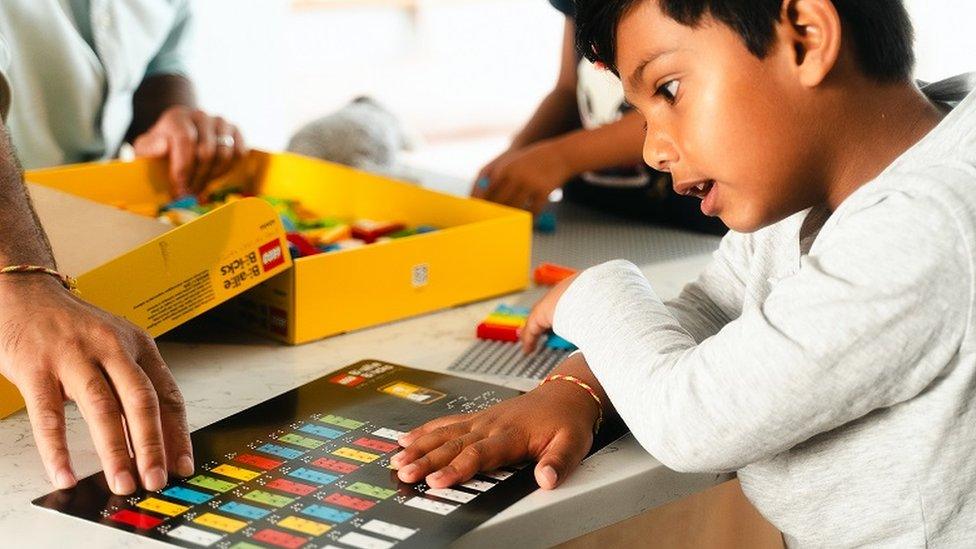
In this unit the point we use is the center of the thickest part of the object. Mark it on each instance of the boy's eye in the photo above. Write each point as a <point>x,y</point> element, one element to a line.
<point>669,91</point>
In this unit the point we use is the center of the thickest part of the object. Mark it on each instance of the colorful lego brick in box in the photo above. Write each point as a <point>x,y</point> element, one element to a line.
<point>308,233</point>
<point>340,492</point>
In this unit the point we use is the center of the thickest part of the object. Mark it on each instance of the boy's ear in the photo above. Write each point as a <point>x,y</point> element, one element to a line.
<point>812,29</point>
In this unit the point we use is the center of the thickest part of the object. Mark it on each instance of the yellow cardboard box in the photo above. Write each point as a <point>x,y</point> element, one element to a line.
<point>481,250</point>
<point>152,274</point>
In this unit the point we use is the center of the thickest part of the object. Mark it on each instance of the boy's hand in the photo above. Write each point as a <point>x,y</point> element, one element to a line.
<point>200,147</point>
<point>541,317</point>
<point>552,425</point>
<point>55,347</point>
<point>525,178</point>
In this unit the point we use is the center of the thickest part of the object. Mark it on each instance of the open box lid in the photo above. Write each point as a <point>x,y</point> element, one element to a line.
<point>154,275</point>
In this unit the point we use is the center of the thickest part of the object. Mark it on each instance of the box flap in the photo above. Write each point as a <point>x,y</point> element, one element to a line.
<point>85,234</point>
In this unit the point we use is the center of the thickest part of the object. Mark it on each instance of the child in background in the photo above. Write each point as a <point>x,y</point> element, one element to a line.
<point>827,354</point>
<point>585,139</point>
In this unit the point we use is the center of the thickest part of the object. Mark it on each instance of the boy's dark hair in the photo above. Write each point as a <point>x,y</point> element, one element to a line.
<point>881,30</point>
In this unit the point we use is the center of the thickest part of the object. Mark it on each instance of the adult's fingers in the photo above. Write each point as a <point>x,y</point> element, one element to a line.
<point>480,187</point>
<point>151,145</point>
<point>225,152</point>
<point>85,383</point>
<point>206,150</point>
<point>514,193</point>
<point>172,410</point>
<point>437,457</point>
<point>240,145</point>
<point>482,455</point>
<point>182,136</point>
<point>45,407</point>
<point>562,455</point>
<point>502,189</point>
<point>141,410</point>
<point>538,202</point>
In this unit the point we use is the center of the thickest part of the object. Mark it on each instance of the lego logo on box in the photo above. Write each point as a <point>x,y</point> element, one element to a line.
<point>347,380</point>
<point>271,255</point>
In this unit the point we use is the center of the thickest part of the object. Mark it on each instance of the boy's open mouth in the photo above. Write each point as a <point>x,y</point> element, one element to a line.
<point>698,188</point>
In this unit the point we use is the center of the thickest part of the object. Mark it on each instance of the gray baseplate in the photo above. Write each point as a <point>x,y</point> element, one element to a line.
<point>583,238</point>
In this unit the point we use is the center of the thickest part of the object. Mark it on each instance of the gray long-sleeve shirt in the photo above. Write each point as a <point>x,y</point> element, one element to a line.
<point>832,364</point>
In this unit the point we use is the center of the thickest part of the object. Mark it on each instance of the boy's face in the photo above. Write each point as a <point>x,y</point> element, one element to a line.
<point>738,131</point>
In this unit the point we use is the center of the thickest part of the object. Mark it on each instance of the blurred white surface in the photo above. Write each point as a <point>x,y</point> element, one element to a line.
<point>465,73</point>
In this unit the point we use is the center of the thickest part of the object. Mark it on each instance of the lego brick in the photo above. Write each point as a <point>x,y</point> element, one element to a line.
<point>550,274</point>
<point>497,333</point>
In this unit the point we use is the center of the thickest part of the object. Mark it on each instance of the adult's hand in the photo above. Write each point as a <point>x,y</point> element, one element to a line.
<point>524,178</point>
<point>55,347</point>
<point>200,147</point>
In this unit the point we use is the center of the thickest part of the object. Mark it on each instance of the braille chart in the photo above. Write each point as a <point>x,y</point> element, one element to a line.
<point>310,468</point>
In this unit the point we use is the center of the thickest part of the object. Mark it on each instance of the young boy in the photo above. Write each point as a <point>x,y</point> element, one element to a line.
<point>827,353</point>
<point>585,139</point>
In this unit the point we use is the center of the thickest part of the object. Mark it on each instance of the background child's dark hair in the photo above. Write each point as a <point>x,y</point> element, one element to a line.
<point>881,30</point>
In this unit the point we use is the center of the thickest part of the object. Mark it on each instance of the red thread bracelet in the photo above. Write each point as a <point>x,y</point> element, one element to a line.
<point>586,387</point>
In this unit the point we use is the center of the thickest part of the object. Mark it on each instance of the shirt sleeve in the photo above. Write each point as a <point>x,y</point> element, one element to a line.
<point>715,298</point>
<point>874,314</point>
<point>171,57</point>
<point>565,6</point>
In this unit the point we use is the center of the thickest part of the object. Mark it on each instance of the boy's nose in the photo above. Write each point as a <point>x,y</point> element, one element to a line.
<point>658,153</point>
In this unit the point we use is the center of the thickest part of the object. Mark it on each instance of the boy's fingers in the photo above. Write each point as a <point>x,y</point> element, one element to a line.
<point>563,454</point>
<point>427,443</point>
<point>436,458</point>
<point>482,455</point>
<point>86,384</point>
<point>531,333</point>
<point>141,408</point>
<point>172,410</point>
<point>45,407</point>
<point>407,439</point>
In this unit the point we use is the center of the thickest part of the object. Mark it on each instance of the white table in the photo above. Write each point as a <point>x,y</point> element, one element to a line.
<point>220,378</point>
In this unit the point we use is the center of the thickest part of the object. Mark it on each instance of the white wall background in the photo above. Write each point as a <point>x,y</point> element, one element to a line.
<point>465,73</point>
<point>464,65</point>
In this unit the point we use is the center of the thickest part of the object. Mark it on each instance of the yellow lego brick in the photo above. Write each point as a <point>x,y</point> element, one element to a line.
<point>328,235</point>
<point>219,522</point>
<point>349,453</point>
<point>505,320</point>
<point>162,507</point>
<point>238,473</point>
<point>304,526</point>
